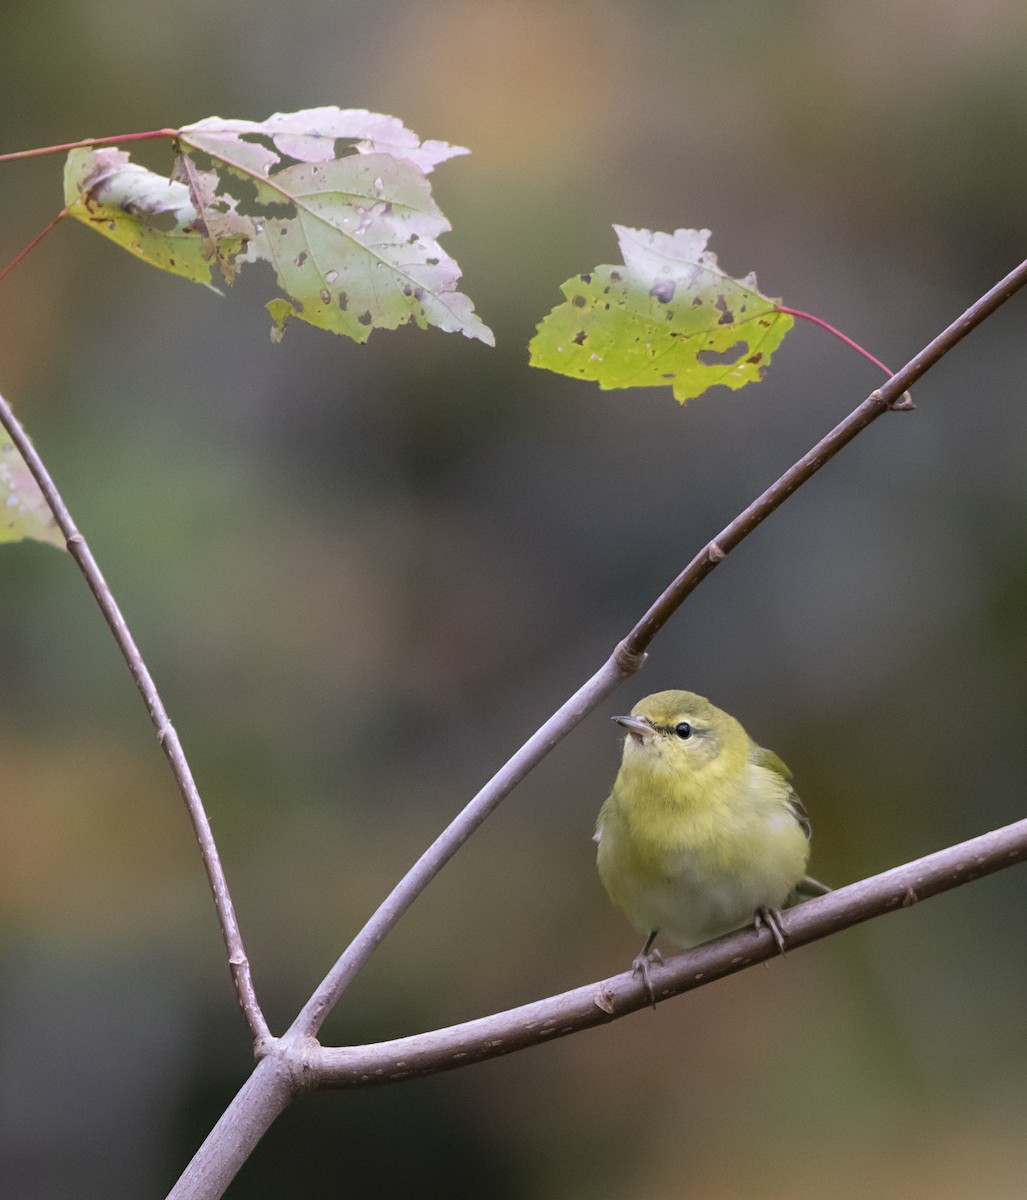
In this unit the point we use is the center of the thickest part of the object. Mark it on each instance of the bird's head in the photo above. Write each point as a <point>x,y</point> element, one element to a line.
<point>683,733</point>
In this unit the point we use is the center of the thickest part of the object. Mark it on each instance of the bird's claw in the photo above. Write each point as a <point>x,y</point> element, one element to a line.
<point>640,966</point>
<point>770,918</point>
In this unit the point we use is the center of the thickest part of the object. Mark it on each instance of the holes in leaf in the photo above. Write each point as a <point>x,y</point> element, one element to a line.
<point>579,337</point>
<point>726,315</point>
<point>722,358</point>
<point>578,301</point>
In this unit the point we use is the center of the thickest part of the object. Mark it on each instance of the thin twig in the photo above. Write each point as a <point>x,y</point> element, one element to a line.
<point>842,337</point>
<point>148,136</point>
<point>881,401</point>
<point>630,655</point>
<point>33,244</point>
<point>166,734</point>
<point>604,1001</point>
<point>446,845</point>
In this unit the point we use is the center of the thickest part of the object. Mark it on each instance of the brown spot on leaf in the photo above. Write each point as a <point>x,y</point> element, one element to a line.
<point>326,296</point>
<point>343,301</point>
<point>586,278</point>
<point>579,337</point>
<point>301,258</point>
<point>754,358</point>
<point>615,276</point>
<point>578,301</point>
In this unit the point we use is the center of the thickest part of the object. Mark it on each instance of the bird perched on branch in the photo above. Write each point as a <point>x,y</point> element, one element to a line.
<point>703,831</point>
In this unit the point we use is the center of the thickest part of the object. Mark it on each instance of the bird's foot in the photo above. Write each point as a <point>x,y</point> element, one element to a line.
<point>770,918</point>
<point>640,966</point>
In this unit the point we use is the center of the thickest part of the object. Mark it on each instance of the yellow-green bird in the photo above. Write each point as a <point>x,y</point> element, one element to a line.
<point>703,831</point>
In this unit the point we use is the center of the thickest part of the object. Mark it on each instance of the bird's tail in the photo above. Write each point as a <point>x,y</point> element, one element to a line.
<point>808,887</point>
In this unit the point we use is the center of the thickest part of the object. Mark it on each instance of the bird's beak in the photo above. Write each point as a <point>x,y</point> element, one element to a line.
<point>638,727</point>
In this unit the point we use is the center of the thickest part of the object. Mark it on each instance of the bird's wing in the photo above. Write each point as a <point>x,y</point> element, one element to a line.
<point>767,758</point>
<point>807,885</point>
<point>798,810</point>
<point>770,762</point>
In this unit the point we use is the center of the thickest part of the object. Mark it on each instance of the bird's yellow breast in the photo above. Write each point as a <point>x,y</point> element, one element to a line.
<point>695,852</point>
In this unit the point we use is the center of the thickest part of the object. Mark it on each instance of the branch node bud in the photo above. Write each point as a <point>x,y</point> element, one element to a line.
<point>603,1000</point>
<point>628,661</point>
<point>715,552</point>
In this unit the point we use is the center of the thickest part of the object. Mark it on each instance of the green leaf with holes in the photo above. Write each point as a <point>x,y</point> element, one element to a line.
<point>336,200</point>
<point>178,224</point>
<point>23,511</point>
<point>669,317</point>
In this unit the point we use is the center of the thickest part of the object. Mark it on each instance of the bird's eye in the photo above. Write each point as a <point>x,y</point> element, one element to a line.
<point>684,730</point>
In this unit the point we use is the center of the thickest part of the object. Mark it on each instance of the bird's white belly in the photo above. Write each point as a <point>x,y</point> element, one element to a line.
<point>693,905</point>
<point>691,899</point>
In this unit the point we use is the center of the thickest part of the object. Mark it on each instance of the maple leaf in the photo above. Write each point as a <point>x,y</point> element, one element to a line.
<point>351,234</point>
<point>155,218</point>
<point>670,316</point>
<point>24,513</point>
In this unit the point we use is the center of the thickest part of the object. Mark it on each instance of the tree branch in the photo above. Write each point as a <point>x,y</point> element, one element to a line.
<point>166,734</point>
<point>301,1064</point>
<point>629,655</point>
<point>584,700</point>
<point>889,395</point>
<point>606,1000</point>
<point>296,1062</point>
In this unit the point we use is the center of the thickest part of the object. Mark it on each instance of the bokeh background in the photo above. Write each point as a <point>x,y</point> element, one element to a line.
<point>363,575</point>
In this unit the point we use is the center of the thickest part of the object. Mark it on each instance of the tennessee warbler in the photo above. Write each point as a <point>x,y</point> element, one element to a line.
<point>703,831</point>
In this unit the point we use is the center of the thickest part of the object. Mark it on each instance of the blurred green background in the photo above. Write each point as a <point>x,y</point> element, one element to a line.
<point>363,575</point>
